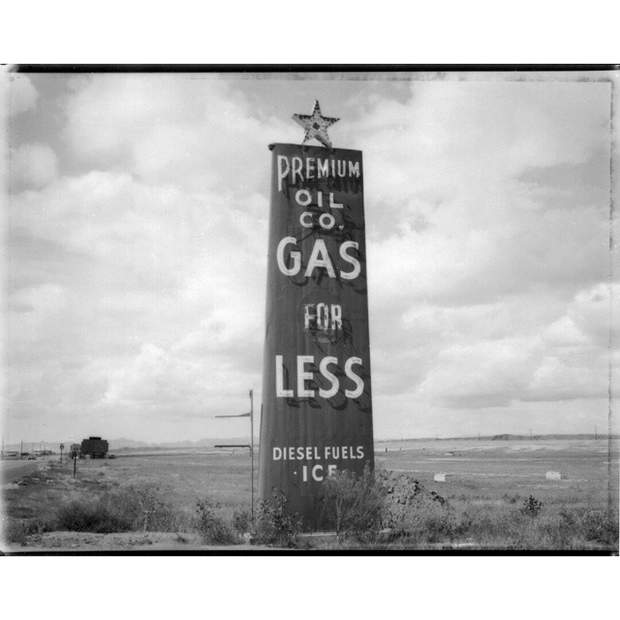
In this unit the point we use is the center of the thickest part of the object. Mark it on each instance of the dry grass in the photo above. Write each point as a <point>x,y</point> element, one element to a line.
<point>483,498</point>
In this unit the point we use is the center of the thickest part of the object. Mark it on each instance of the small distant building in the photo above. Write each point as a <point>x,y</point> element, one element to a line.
<point>95,447</point>
<point>440,477</point>
<point>555,475</point>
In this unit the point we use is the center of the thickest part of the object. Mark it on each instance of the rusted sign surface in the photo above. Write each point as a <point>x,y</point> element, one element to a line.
<point>317,413</point>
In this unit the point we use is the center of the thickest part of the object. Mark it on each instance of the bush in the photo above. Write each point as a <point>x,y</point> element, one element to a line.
<point>242,521</point>
<point>417,515</point>
<point>600,527</point>
<point>130,508</point>
<point>145,506</point>
<point>353,504</point>
<point>17,531</point>
<point>275,524</point>
<point>91,516</point>
<point>210,525</point>
<point>531,507</point>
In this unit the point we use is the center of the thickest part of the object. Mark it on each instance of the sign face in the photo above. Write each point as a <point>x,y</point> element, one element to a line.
<point>317,409</point>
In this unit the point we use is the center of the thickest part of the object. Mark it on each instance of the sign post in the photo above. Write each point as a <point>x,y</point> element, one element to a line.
<point>317,408</point>
<point>250,414</point>
<point>252,454</point>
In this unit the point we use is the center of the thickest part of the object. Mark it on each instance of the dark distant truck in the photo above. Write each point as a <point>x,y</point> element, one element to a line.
<point>95,447</point>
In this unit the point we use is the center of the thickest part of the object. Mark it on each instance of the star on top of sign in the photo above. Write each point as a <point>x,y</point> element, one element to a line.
<point>316,125</point>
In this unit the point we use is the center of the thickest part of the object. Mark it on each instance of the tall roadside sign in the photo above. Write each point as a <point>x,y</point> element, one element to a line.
<point>317,407</point>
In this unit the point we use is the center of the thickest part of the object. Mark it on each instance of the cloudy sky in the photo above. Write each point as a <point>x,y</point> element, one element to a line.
<point>136,238</point>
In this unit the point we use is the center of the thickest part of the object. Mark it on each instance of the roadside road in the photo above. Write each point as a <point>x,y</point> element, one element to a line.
<point>12,471</point>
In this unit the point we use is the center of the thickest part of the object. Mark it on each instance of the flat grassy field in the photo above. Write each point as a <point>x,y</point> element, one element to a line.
<point>486,481</point>
<point>493,472</point>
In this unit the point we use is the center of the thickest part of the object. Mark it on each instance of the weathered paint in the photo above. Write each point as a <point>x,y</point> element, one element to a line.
<point>317,407</point>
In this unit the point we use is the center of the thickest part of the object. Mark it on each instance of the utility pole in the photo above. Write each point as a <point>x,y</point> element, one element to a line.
<point>250,446</point>
<point>252,449</point>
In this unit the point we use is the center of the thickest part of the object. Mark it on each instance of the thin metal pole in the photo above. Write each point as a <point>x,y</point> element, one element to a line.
<point>252,450</point>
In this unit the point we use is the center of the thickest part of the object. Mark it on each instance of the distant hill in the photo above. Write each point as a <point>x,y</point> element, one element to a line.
<point>207,442</point>
<point>509,437</point>
<point>117,444</point>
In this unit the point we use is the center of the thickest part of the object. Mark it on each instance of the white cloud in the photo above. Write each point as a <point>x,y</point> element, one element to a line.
<point>191,131</point>
<point>158,315</point>
<point>592,311</point>
<point>564,333</point>
<point>580,375</point>
<point>471,269</point>
<point>487,268</point>
<point>484,374</point>
<point>477,361</point>
<point>22,95</point>
<point>447,213</point>
<point>32,166</point>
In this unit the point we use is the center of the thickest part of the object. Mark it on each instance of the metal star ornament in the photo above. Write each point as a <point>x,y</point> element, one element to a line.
<point>316,125</point>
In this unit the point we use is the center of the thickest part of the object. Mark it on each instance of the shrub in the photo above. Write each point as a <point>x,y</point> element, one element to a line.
<point>210,525</point>
<point>415,514</point>
<point>531,507</point>
<point>130,508</point>
<point>145,506</point>
<point>91,516</point>
<point>354,504</point>
<point>600,527</point>
<point>242,521</point>
<point>275,524</point>
<point>17,531</point>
